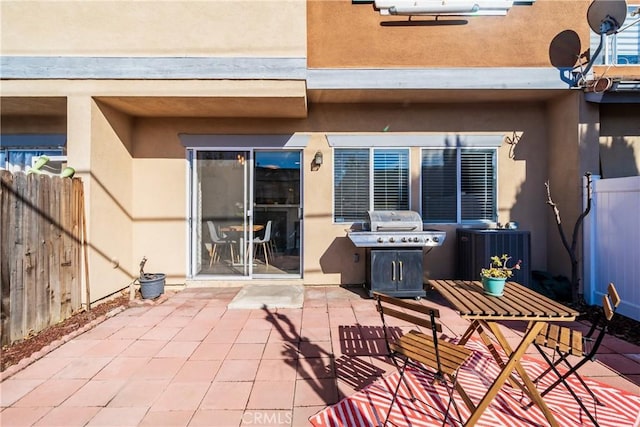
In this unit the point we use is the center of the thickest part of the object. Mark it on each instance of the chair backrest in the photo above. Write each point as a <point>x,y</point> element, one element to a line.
<point>212,232</point>
<point>417,314</point>
<point>267,232</point>
<point>610,302</point>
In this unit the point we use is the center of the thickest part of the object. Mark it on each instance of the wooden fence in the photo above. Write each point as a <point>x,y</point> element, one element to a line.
<point>41,242</point>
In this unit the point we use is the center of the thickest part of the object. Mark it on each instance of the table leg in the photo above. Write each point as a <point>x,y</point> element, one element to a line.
<point>509,366</point>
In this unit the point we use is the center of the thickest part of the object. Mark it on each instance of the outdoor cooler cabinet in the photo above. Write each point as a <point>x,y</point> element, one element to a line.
<point>395,272</point>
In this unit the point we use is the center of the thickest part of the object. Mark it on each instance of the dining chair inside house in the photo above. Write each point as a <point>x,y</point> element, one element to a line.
<point>265,243</point>
<point>423,351</point>
<point>566,342</point>
<point>217,243</point>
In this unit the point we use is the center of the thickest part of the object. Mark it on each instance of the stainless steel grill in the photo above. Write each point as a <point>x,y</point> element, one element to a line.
<point>395,229</point>
<point>394,242</point>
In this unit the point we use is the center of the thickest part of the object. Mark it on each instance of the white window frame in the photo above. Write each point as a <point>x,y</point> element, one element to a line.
<point>371,165</point>
<point>458,196</point>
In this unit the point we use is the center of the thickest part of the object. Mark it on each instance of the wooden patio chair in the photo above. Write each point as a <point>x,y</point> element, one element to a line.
<point>566,342</point>
<point>422,351</point>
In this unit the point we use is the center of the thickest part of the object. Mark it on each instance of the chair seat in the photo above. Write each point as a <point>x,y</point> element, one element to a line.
<point>420,347</point>
<point>565,340</point>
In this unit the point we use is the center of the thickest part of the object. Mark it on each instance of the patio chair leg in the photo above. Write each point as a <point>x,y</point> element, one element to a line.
<point>395,393</point>
<point>563,379</point>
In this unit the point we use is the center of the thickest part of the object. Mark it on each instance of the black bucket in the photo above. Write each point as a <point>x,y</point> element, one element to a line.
<point>152,285</point>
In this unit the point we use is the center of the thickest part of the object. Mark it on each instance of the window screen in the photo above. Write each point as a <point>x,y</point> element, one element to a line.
<point>351,184</point>
<point>458,185</point>
<point>366,179</point>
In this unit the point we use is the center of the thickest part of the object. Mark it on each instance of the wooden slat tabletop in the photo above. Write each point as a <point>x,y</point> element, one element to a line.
<point>517,303</point>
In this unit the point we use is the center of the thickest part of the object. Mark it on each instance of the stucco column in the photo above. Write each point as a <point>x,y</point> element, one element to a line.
<point>79,157</point>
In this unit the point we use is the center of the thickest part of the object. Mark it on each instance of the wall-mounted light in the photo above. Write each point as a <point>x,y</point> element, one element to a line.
<point>317,159</point>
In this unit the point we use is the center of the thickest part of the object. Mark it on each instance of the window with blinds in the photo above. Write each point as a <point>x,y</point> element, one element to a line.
<point>369,179</point>
<point>458,185</point>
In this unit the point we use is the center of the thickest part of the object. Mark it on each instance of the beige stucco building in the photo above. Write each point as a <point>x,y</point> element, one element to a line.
<point>182,114</point>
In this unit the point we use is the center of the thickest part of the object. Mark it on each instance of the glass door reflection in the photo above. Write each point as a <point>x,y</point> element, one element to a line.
<point>277,212</point>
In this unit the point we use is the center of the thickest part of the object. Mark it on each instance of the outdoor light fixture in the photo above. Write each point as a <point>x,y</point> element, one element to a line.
<point>443,7</point>
<point>317,159</point>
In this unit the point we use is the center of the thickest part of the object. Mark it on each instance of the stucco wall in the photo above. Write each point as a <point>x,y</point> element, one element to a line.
<point>620,140</point>
<point>328,254</point>
<point>344,35</point>
<point>261,28</point>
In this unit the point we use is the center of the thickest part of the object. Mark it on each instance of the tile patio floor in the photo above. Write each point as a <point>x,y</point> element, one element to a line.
<point>191,362</point>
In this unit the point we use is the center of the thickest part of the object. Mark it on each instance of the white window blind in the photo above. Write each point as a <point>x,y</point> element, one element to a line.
<point>477,185</point>
<point>366,179</point>
<point>391,180</point>
<point>351,184</point>
<point>458,185</point>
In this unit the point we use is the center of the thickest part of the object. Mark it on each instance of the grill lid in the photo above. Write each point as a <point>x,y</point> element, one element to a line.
<point>395,221</point>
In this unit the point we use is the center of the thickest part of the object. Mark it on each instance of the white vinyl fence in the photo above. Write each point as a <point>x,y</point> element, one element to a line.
<point>612,243</point>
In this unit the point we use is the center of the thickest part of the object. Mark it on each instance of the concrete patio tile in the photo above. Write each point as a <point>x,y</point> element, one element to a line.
<point>316,367</point>
<point>100,332</point>
<point>131,332</point>
<point>108,348</point>
<point>95,393</point>
<point>241,351</point>
<point>67,416</point>
<point>271,395</point>
<point>122,368</point>
<point>74,348</point>
<point>315,349</point>
<point>315,334</point>
<point>227,395</point>
<point>198,371</point>
<point>160,368</point>
<point>50,393</point>
<point>260,322</point>
<point>122,417</point>
<point>172,321</point>
<point>253,336</point>
<point>211,351</point>
<point>138,393</point>
<point>237,370</point>
<point>216,418</point>
<point>194,331</point>
<point>42,369</point>
<point>222,335</point>
<point>315,392</point>
<point>167,419</point>
<point>280,350</point>
<point>143,348</point>
<point>83,367</point>
<point>161,332</point>
<point>277,370</point>
<point>22,417</point>
<point>13,389</point>
<point>178,349</point>
<point>181,397</point>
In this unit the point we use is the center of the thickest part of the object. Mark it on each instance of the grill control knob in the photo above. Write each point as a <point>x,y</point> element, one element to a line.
<point>416,239</point>
<point>391,240</point>
<point>379,239</point>
<point>404,239</point>
<point>436,239</point>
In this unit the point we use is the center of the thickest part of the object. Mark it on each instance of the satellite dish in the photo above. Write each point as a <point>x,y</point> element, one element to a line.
<point>606,16</point>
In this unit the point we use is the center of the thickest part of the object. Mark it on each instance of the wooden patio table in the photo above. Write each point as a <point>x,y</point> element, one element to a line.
<point>518,303</point>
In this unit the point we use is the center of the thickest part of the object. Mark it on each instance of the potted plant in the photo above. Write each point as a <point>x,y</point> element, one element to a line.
<point>495,276</point>
<point>151,284</point>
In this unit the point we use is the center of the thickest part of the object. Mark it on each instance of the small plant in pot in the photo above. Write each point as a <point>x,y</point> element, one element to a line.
<point>151,284</point>
<point>495,276</point>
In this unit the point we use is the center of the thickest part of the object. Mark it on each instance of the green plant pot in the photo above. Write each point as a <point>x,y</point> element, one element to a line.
<point>493,286</point>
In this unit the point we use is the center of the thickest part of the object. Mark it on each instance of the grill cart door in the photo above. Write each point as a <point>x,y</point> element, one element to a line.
<point>396,272</point>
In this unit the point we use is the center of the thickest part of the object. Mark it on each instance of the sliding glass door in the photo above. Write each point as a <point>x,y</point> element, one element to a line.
<point>245,213</point>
